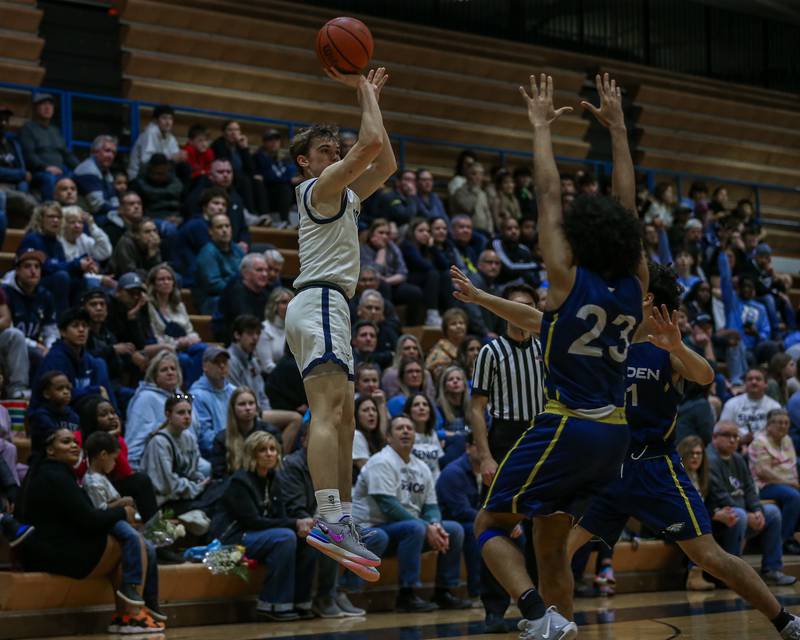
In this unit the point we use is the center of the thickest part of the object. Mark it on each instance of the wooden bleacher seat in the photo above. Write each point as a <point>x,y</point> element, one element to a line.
<point>20,45</point>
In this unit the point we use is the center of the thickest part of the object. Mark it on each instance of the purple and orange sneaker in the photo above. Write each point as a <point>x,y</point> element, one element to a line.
<point>342,542</point>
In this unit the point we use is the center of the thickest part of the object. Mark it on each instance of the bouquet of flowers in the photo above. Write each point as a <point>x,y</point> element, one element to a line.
<point>228,560</point>
<point>162,531</point>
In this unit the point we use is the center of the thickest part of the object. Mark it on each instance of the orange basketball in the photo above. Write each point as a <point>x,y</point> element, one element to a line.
<point>344,43</point>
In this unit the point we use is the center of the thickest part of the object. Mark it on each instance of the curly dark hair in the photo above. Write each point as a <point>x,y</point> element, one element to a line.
<point>664,286</point>
<point>604,236</point>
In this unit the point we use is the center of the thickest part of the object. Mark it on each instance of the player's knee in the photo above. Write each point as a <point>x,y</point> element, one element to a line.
<point>491,532</point>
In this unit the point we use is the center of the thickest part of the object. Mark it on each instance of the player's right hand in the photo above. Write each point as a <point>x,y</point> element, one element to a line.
<point>488,469</point>
<point>609,114</point>
<point>540,103</point>
<point>463,289</point>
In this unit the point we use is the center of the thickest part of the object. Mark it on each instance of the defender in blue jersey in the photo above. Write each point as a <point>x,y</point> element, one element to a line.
<point>597,276</point>
<point>654,487</point>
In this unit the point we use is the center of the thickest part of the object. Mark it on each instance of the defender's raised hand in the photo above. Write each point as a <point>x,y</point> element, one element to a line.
<point>609,114</point>
<point>540,103</point>
<point>463,289</point>
<point>667,334</point>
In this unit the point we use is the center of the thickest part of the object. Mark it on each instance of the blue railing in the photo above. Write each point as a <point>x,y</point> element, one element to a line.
<point>599,167</point>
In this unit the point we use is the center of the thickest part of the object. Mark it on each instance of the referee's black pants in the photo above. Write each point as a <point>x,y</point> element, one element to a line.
<point>502,436</point>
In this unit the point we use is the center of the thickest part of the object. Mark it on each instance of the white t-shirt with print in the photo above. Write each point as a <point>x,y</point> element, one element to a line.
<point>386,473</point>
<point>749,415</point>
<point>360,446</point>
<point>428,448</point>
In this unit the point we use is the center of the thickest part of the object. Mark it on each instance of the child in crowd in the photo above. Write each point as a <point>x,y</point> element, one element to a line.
<point>199,155</point>
<point>102,450</point>
<point>55,412</point>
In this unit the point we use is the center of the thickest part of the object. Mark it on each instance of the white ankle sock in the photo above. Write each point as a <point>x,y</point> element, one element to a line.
<point>329,505</point>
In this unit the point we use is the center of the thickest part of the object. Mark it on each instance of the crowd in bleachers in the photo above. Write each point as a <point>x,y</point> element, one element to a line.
<point>95,334</point>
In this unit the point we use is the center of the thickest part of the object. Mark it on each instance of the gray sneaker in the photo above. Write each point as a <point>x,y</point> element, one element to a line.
<point>792,630</point>
<point>326,608</point>
<point>347,607</point>
<point>342,542</point>
<point>778,578</point>
<point>551,626</point>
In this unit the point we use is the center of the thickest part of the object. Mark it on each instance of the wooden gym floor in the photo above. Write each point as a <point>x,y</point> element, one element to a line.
<point>649,616</point>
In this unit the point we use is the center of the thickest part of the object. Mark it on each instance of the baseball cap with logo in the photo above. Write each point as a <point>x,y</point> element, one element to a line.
<point>130,280</point>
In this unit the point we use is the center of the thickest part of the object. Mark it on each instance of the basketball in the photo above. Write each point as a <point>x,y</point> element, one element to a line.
<point>344,43</point>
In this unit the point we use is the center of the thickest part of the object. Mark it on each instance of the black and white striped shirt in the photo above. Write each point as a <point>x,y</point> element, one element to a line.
<point>511,374</point>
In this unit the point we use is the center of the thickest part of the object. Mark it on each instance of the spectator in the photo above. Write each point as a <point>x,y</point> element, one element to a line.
<point>771,291</point>
<point>157,137</point>
<point>233,146</point>
<point>517,260</point>
<point>368,280</point>
<point>662,205</point>
<point>408,346</point>
<point>399,205</point>
<point>129,320</point>
<point>121,358</point>
<point>386,258</point>
<point>445,351</point>
<point>782,370</point>
<point>14,176</point>
<point>120,182</point>
<point>162,380</point>
<point>453,403</point>
<point>396,494</point>
<point>285,388</point>
<point>54,412</point>
<point>468,352</point>
<point>32,307</point>
<point>254,515</point>
<point>685,268</point>
<point>139,250</point>
<point>732,492</point>
<point>457,490</point>
<point>246,294</point>
<point>773,463</point>
<point>221,176</point>
<point>427,445</point>
<point>371,307</point>
<point>160,191</point>
<point>170,322</point>
<point>482,321</point>
<point>76,243</point>
<point>94,179</point>
<point>656,242</point>
<point>523,190</point>
<point>244,372</point>
<point>466,246</point>
<point>194,234</point>
<point>198,154</point>
<point>275,262</point>
<point>505,205</point>
<point>63,518</point>
<point>427,269</point>
<point>749,410</point>
<point>428,202</point>
<point>14,359</point>
<point>272,342</point>
<point>217,263</point>
<point>172,460</point>
<point>60,277</point>
<point>278,172</point>
<point>241,419</point>
<point>471,200</point>
<point>212,393</point>
<point>368,437</point>
<point>365,342</point>
<point>46,153</point>
<point>465,160</point>
<point>410,381</point>
<point>696,416</point>
<point>88,375</point>
<point>98,414</point>
<point>130,212</point>
<point>66,192</point>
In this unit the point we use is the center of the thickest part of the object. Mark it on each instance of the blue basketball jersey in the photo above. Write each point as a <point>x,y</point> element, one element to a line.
<point>586,342</point>
<point>651,406</point>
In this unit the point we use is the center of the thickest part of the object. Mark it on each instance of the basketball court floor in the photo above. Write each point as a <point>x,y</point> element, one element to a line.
<point>647,616</point>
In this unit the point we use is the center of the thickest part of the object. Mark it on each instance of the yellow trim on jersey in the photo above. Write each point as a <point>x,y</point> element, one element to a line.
<point>617,415</point>
<point>671,428</point>
<point>539,464</point>
<point>500,468</point>
<point>683,495</point>
<point>549,341</point>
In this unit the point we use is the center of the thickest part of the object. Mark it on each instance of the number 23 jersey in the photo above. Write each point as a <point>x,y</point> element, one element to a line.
<point>586,342</point>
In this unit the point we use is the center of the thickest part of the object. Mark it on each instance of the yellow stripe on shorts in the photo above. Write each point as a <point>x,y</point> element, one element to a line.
<point>539,464</point>
<point>500,468</point>
<point>683,495</point>
<point>549,341</point>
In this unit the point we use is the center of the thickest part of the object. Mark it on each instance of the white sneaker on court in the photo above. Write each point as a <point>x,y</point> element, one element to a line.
<point>551,626</point>
<point>792,630</point>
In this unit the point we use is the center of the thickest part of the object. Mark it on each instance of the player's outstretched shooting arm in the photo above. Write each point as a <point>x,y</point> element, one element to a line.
<point>371,160</point>
<point>623,177</point>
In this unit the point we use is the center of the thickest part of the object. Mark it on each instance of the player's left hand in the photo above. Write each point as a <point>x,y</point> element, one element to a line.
<point>610,112</point>
<point>667,335</point>
<point>540,103</point>
<point>377,78</point>
<point>463,289</point>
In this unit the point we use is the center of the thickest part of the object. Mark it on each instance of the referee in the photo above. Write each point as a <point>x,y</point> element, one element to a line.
<point>509,382</point>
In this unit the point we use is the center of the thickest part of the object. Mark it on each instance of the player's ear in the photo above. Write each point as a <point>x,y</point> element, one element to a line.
<point>648,299</point>
<point>302,161</point>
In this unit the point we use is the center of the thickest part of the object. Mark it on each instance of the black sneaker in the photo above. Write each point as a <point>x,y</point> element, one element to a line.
<point>791,547</point>
<point>278,616</point>
<point>495,623</point>
<point>128,593</point>
<point>14,531</point>
<point>446,600</point>
<point>410,602</point>
<point>305,613</point>
<point>166,556</point>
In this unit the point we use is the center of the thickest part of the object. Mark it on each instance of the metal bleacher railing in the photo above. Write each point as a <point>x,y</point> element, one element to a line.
<point>599,167</point>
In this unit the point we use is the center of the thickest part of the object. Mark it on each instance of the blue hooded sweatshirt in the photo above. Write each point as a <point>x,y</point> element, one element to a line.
<point>209,412</point>
<point>145,415</point>
<point>82,370</point>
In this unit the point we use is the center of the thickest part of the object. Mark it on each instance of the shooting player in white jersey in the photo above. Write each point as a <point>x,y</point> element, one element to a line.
<point>318,318</point>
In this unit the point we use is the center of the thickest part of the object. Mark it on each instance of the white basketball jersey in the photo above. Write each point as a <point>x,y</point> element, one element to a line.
<point>329,249</point>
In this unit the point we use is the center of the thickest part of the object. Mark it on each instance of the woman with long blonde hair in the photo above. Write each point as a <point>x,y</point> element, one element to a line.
<point>453,402</point>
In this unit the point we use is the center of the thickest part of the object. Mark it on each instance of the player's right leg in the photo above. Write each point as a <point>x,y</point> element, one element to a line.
<point>334,534</point>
